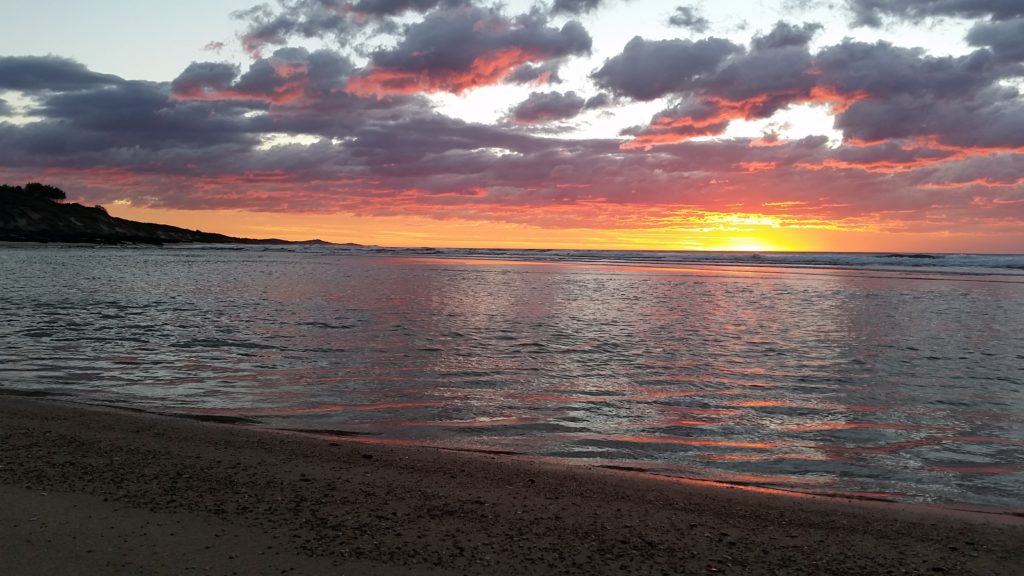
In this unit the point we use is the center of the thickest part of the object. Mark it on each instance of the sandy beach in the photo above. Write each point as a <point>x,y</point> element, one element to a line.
<point>91,490</point>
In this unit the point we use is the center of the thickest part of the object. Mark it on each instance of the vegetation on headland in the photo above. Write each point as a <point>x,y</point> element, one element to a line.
<point>38,213</point>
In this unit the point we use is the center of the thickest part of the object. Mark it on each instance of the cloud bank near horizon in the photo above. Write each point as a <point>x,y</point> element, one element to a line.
<point>928,142</point>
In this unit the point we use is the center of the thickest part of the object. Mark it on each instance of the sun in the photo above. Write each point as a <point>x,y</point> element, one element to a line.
<point>747,245</point>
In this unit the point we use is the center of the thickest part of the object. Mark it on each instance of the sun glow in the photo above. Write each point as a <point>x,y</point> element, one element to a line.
<point>716,232</point>
<point>748,245</point>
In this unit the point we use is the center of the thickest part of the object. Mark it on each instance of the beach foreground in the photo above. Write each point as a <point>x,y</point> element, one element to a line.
<point>87,490</point>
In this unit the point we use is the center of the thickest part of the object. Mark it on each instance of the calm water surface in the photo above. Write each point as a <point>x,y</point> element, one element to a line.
<point>896,384</point>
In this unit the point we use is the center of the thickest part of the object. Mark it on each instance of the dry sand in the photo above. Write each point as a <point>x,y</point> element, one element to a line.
<point>86,490</point>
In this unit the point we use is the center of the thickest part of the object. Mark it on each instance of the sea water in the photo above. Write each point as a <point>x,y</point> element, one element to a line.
<point>885,376</point>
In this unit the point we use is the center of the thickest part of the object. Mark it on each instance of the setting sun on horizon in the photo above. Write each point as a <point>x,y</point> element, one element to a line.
<point>421,231</point>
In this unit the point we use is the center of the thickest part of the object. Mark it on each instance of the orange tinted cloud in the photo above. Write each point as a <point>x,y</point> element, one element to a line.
<point>485,70</point>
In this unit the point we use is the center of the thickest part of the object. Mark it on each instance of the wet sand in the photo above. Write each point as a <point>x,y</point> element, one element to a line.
<point>87,490</point>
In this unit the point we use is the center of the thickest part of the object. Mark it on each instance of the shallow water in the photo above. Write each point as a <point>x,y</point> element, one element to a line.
<point>877,382</point>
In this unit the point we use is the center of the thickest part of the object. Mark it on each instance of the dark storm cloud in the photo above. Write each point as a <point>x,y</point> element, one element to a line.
<point>455,50</point>
<point>575,6</point>
<point>5,108</point>
<point>51,73</point>
<point>688,17</point>
<point>1005,39</point>
<point>869,12</point>
<point>547,107</point>
<point>649,69</point>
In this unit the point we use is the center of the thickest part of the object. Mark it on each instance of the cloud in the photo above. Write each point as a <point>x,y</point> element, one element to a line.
<point>649,69</point>
<point>928,140</point>
<point>132,124</point>
<point>899,93</point>
<point>869,12</point>
<point>1005,39</point>
<point>575,6</point>
<point>785,35</point>
<point>302,18</point>
<point>546,73</point>
<point>49,73</point>
<point>600,100</point>
<point>887,157</point>
<point>728,84</point>
<point>682,121</point>
<point>340,20</point>
<point>542,107</point>
<point>881,70</point>
<point>395,7</point>
<point>292,80</point>
<point>202,79</point>
<point>688,17</point>
<point>459,49</point>
<point>777,72</point>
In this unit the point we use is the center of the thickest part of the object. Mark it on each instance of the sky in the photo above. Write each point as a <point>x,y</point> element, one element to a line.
<point>853,125</point>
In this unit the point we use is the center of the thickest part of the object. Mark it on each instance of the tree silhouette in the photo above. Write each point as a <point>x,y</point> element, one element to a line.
<point>45,191</point>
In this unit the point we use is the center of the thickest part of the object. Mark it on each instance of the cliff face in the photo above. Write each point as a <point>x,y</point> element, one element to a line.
<point>28,218</point>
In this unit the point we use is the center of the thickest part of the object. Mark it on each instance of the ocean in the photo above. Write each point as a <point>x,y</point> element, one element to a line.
<point>883,376</point>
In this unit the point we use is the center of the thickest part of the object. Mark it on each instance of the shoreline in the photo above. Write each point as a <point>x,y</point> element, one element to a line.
<point>95,489</point>
<point>332,435</point>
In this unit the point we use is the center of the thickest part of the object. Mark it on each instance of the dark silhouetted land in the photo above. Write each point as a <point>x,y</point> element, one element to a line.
<point>38,213</point>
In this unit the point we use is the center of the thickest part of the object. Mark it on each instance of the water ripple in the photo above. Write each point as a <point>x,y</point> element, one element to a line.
<point>873,384</point>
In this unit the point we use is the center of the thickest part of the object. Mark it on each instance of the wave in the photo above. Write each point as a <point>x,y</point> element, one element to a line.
<point>951,263</point>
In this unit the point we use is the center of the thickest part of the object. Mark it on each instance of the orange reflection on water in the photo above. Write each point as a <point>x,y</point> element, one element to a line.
<point>675,422</point>
<point>761,403</point>
<point>693,441</point>
<point>701,411</point>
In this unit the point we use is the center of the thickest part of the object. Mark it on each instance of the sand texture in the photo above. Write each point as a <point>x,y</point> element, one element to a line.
<point>86,490</point>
